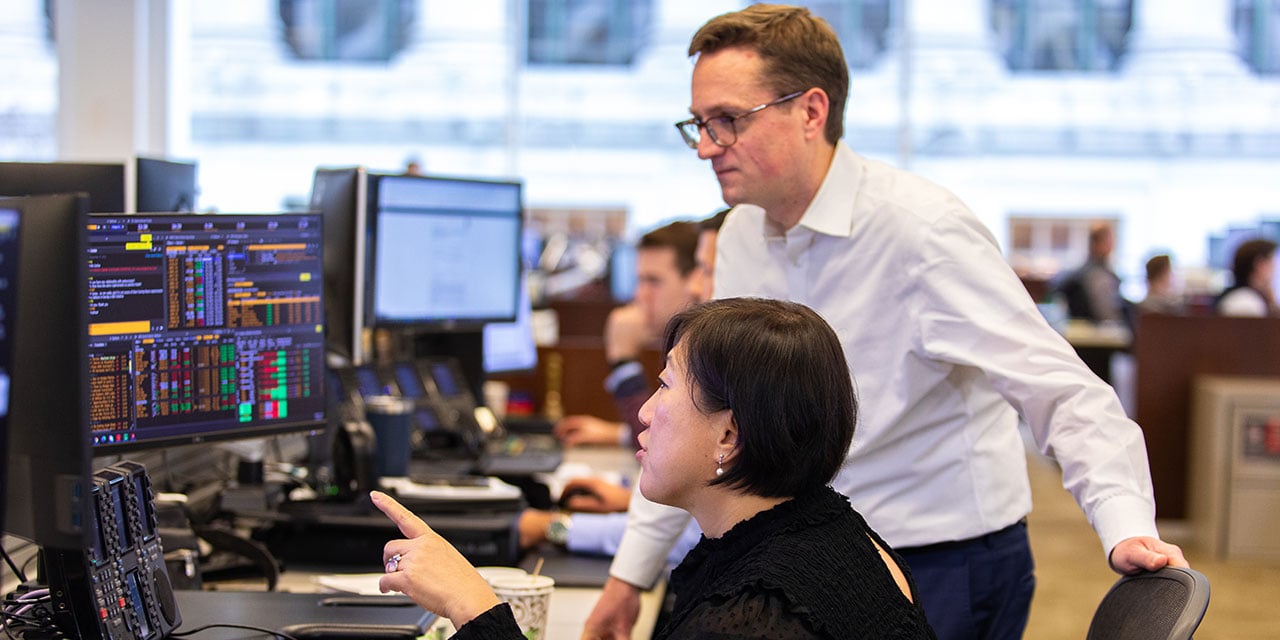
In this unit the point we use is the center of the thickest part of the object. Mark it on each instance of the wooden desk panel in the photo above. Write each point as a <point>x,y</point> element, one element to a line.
<point>1170,351</point>
<point>583,370</point>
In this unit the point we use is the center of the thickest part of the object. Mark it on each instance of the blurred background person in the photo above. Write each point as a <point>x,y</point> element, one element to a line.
<point>1092,291</point>
<point>592,519</point>
<point>1253,267</point>
<point>667,282</point>
<point>1163,295</point>
<point>704,256</point>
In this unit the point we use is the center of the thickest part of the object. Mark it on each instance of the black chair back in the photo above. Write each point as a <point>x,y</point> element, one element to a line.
<point>1162,605</point>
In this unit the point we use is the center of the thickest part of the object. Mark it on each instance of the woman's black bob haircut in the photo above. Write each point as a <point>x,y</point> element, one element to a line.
<point>779,367</point>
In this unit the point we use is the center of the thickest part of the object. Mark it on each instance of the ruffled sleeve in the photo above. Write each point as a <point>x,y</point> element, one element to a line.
<point>498,623</point>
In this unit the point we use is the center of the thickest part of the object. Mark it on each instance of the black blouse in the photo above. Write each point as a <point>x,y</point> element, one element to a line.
<point>806,568</point>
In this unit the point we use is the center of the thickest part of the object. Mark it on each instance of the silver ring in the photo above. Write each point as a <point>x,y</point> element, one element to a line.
<point>393,565</point>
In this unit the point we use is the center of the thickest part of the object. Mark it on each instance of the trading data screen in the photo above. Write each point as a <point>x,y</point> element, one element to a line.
<point>203,327</point>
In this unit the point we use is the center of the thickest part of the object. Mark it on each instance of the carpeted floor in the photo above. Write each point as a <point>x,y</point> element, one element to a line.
<point>1072,575</point>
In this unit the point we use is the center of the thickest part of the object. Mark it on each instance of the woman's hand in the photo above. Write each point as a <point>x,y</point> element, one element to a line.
<point>429,570</point>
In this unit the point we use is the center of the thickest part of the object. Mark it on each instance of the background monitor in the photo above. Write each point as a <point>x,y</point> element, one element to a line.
<point>104,183</point>
<point>622,272</point>
<point>203,327</point>
<point>9,219</point>
<point>49,461</point>
<point>445,251</point>
<point>339,195</point>
<point>165,185</point>
<point>509,347</point>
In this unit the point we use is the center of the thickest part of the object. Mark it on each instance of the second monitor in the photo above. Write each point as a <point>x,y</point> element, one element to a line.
<point>445,252</point>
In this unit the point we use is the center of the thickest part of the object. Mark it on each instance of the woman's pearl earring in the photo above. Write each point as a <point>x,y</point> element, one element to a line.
<point>720,466</point>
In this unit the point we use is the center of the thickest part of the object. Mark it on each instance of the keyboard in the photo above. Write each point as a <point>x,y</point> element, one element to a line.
<point>521,454</point>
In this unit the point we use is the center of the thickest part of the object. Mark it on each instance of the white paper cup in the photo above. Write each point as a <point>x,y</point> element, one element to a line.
<point>493,573</point>
<point>530,598</point>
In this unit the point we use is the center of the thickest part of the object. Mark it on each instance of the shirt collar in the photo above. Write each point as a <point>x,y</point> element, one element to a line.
<point>830,212</point>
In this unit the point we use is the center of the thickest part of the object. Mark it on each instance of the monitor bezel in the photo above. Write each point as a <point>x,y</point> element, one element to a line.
<point>13,258</point>
<point>49,456</point>
<point>340,195</point>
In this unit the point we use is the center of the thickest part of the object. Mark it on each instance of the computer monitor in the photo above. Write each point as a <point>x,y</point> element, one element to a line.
<point>203,327</point>
<point>339,194</point>
<point>509,347</point>
<point>445,252</point>
<point>103,182</point>
<point>9,226</point>
<point>165,185</point>
<point>47,487</point>
<point>622,272</point>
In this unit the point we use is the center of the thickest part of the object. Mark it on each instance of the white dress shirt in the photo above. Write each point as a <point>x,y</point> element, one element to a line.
<point>947,349</point>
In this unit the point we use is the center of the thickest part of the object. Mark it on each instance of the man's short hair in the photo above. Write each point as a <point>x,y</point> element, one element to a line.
<point>780,368</point>
<point>714,221</point>
<point>1158,267</point>
<point>800,51</point>
<point>681,236</point>
<point>1247,256</point>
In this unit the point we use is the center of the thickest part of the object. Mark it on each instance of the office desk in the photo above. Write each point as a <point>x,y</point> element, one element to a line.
<point>1096,343</point>
<point>569,605</point>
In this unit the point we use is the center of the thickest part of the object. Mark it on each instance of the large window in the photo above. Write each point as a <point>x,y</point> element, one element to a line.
<point>861,25</point>
<point>1257,25</point>
<point>607,32</point>
<point>1062,35</point>
<point>360,30</point>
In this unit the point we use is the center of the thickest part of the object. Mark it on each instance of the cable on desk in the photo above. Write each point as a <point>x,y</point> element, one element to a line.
<point>29,610</point>
<point>278,634</point>
<point>22,577</point>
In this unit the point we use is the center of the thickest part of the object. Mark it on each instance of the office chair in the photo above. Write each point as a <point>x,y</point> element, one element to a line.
<point>1162,605</point>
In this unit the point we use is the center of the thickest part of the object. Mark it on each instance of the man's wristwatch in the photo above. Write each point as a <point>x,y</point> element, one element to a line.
<point>558,529</point>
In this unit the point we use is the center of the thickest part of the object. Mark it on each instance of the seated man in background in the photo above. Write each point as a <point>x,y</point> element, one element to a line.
<point>598,525</point>
<point>665,273</point>
<point>1162,294</point>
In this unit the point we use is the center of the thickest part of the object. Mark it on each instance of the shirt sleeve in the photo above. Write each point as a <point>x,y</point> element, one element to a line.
<point>601,534</point>
<point>975,312</point>
<point>596,533</point>
<point>652,530</point>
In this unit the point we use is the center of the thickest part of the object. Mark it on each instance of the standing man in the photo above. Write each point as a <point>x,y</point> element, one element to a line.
<point>945,346</point>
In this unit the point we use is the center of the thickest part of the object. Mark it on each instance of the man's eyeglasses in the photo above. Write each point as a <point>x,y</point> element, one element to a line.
<point>721,128</point>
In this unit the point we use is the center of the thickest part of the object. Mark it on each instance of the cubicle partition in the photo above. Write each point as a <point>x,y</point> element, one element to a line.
<point>1170,351</point>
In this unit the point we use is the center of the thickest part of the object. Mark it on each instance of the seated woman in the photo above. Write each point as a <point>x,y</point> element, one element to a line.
<point>751,420</point>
